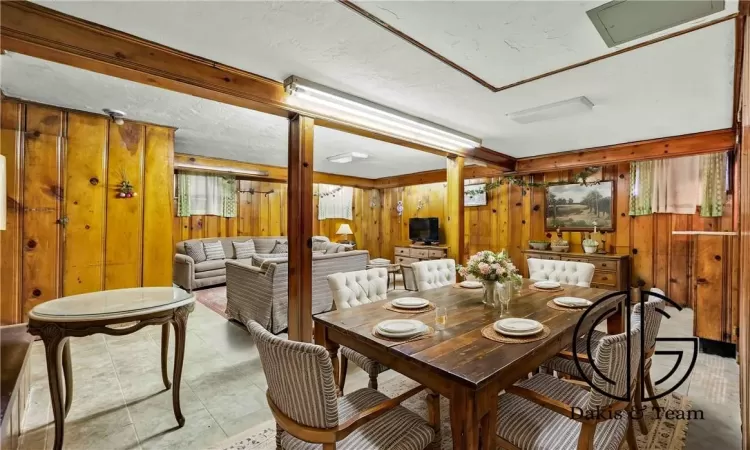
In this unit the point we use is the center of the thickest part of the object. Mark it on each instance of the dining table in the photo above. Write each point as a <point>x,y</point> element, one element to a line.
<point>456,360</point>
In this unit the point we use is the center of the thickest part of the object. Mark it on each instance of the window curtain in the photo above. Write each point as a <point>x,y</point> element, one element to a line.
<point>675,185</point>
<point>335,202</point>
<point>641,187</point>
<point>200,194</point>
<point>714,183</point>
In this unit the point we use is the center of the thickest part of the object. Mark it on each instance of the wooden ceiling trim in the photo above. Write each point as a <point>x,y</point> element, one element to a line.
<point>435,176</point>
<point>390,28</point>
<point>668,147</point>
<point>41,32</point>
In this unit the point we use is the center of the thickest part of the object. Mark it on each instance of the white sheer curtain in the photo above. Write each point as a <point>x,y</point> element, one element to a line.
<point>335,202</point>
<point>676,185</point>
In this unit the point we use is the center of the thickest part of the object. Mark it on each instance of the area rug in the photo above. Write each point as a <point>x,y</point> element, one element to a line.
<point>664,434</point>
<point>215,298</point>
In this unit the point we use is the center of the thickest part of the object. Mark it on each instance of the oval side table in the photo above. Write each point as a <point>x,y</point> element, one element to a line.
<point>97,312</point>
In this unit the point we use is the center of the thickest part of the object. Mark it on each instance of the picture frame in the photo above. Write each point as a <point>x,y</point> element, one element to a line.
<point>474,199</point>
<point>575,207</point>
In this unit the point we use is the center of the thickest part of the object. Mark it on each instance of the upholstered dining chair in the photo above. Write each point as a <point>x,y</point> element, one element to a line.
<point>352,289</point>
<point>544,412</point>
<point>565,272</point>
<point>650,317</point>
<point>302,397</point>
<point>434,273</point>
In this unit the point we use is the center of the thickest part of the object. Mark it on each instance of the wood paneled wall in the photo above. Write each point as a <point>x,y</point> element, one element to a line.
<point>67,231</point>
<point>265,215</point>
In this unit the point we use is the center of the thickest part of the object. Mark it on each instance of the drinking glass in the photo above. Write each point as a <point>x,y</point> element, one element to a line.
<point>441,317</point>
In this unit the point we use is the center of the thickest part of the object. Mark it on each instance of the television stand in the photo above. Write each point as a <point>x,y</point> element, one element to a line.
<point>419,252</point>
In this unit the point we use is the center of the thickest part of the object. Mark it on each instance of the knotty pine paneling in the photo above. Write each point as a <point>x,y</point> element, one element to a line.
<point>12,118</point>
<point>158,252</point>
<point>85,203</point>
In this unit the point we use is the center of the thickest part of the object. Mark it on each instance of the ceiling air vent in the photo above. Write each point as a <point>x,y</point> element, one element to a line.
<point>621,21</point>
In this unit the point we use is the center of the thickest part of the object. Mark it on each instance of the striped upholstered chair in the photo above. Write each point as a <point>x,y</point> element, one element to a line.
<point>651,319</point>
<point>544,412</point>
<point>352,289</point>
<point>302,397</point>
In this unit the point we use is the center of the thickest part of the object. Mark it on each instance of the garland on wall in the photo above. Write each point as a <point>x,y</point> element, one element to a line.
<point>581,178</point>
<point>333,191</point>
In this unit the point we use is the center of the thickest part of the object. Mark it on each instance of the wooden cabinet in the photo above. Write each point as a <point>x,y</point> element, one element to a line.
<point>415,253</point>
<point>611,271</point>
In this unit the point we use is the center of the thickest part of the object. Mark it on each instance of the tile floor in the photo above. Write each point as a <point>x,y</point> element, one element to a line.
<point>120,402</point>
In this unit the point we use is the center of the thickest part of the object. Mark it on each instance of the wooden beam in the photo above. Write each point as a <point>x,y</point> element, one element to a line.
<point>436,176</point>
<point>454,208</point>
<point>668,147</point>
<point>35,30</point>
<point>194,163</point>
<point>300,227</point>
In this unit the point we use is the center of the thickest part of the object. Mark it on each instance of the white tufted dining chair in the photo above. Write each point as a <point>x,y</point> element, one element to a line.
<point>565,272</point>
<point>434,273</point>
<point>352,289</point>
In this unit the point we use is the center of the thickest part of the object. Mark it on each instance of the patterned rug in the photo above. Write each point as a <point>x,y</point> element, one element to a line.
<point>215,298</point>
<point>664,434</point>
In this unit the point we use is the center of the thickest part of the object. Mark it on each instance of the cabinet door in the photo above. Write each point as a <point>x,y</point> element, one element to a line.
<point>709,303</point>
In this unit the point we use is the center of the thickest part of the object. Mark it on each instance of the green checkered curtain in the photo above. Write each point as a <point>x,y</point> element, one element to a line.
<point>713,184</point>
<point>183,195</point>
<point>229,197</point>
<point>641,187</point>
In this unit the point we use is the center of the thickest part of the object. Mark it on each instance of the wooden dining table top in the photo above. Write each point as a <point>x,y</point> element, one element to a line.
<point>459,352</point>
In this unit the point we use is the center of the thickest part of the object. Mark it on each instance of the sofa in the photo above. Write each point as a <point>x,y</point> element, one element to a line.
<point>258,290</point>
<point>191,275</point>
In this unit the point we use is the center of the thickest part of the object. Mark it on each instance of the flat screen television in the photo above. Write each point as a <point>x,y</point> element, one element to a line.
<point>424,230</point>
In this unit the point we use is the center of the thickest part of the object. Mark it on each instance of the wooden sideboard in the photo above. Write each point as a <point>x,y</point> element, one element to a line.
<point>415,253</point>
<point>612,271</point>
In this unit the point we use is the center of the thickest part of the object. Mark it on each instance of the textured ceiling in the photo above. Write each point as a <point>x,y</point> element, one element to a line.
<point>204,127</point>
<point>683,85</point>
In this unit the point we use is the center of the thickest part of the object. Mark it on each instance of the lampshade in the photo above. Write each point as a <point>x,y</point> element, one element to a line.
<point>3,194</point>
<point>345,229</point>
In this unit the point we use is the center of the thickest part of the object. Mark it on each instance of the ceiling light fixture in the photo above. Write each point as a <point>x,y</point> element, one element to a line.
<point>116,115</point>
<point>347,108</point>
<point>229,170</point>
<point>555,110</point>
<point>345,158</point>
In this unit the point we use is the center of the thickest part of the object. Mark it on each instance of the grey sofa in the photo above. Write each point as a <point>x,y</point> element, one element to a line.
<point>259,290</point>
<point>191,275</point>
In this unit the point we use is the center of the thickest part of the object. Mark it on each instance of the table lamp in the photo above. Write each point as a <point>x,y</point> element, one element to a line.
<point>346,230</point>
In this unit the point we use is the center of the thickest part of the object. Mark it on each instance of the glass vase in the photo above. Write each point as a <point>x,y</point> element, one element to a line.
<point>490,293</point>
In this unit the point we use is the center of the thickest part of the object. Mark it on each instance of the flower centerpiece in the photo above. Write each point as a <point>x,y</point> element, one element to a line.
<point>590,245</point>
<point>492,269</point>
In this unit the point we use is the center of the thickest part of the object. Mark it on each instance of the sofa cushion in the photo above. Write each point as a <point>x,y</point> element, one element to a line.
<point>210,265</point>
<point>211,273</point>
<point>281,247</point>
<point>194,249</point>
<point>244,250</point>
<point>319,243</point>
<point>214,250</point>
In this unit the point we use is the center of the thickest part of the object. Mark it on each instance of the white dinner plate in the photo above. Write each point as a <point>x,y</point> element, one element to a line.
<point>410,302</point>
<point>547,284</point>
<point>516,324</point>
<point>527,332</point>
<point>400,328</point>
<point>572,302</point>
<point>470,284</point>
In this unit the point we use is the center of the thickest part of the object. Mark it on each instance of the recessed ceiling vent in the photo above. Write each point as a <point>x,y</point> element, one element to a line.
<point>621,21</point>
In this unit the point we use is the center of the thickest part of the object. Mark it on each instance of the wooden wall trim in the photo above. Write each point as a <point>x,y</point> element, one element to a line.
<point>435,176</point>
<point>667,147</point>
<point>35,30</point>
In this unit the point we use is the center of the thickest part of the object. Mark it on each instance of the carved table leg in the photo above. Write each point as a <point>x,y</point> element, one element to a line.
<point>165,355</point>
<point>54,342</point>
<point>321,338</point>
<point>180,331</point>
<point>68,374</point>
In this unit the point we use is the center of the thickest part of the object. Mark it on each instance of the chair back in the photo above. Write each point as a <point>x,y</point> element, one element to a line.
<point>650,318</point>
<point>300,378</point>
<point>434,273</point>
<point>565,272</point>
<point>352,289</point>
<point>611,358</point>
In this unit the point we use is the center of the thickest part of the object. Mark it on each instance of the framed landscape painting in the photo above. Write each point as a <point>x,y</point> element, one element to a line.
<point>575,207</point>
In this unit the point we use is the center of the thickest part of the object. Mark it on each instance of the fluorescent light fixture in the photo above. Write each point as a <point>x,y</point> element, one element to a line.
<point>229,170</point>
<point>349,109</point>
<point>345,158</point>
<point>555,110</point>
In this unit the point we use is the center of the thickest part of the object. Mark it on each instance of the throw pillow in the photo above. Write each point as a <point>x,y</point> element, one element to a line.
<point>244,250</point>
<point>213,250</point>
<point>281,247</point>
<point>195,250</point>
<point>319,244</point>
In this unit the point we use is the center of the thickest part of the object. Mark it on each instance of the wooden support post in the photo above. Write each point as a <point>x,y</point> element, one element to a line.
<point>743,210</point>
<point>300,227</point>
<point>454,208</point>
